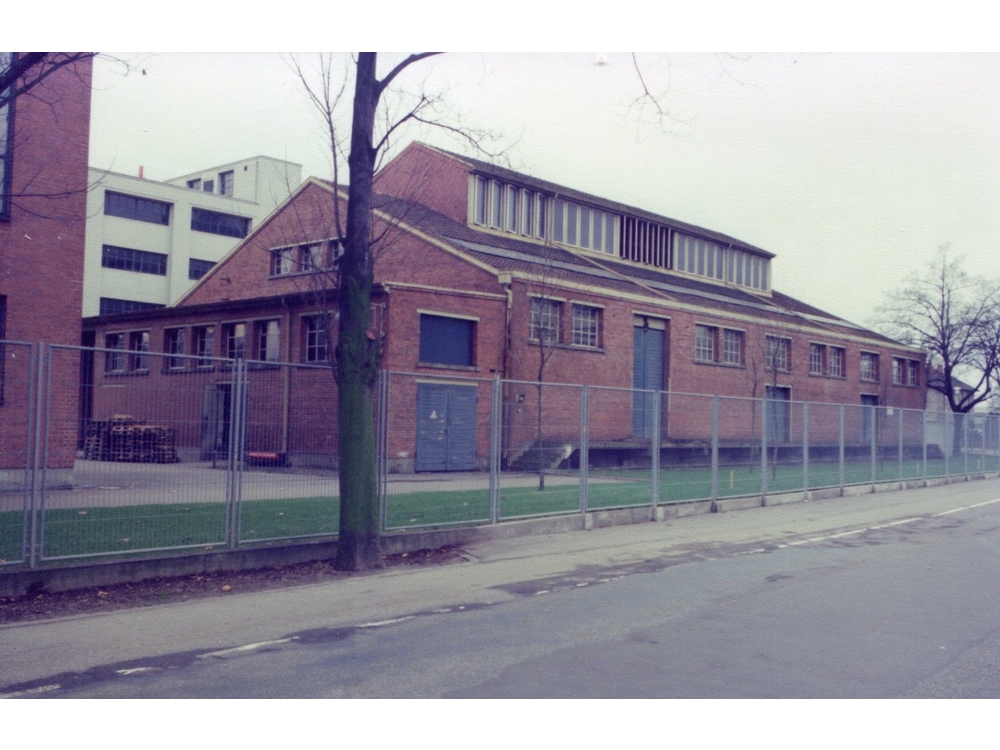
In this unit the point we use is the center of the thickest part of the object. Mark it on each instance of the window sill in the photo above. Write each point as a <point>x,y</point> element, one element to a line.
<point>569,347</point>
<point>125,373</point>
<point>728,365</point>
<point>439,366</point>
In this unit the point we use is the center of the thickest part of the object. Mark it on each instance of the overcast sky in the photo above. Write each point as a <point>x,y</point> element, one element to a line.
<point>851,167</point>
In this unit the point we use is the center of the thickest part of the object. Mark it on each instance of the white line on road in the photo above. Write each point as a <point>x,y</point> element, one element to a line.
<point>42,689</point>
<point>247,647</point>
<point>967,507</point>
<point>380,623</point>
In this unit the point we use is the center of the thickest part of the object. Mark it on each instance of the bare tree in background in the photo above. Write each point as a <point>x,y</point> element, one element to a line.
<point>955,319</point>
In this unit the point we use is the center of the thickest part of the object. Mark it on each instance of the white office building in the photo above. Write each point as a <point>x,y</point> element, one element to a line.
<point>147,242</point>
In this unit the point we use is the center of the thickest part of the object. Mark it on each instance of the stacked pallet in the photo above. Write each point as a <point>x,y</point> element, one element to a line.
<point>125,438</point>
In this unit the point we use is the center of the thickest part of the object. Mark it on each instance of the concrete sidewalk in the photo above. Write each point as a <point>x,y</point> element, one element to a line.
<point>498,570</point>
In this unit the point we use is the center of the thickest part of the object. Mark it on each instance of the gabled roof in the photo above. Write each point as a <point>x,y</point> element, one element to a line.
<point>501,173</point>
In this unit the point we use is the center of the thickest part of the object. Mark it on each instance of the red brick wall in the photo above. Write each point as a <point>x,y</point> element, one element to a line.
<point>42,246</point>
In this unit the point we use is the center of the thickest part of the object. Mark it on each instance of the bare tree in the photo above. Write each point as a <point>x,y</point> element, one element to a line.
<point>955,319</point>
<point>356,356</point>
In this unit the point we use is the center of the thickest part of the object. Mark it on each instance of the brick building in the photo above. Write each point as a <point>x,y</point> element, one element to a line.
<point>44,138</point>
<point>486,272</point>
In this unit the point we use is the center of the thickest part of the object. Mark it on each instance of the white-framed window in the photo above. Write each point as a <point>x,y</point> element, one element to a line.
<point>281,261</point>
<point>586,326</point>
<point>904,371</point>
<point>138,347</point>
<point>235,336</point>
<point>316,339</point>
<point>544,324</point>
<point>817,356</point>
<point>311,256</point>
<point>704,343</point>
<point>732,347</point>
<point>511,206</point>
<point>174,345</point>
<point>836,357</point>
<point>778,354</point>
<point>869,367</point>
<point>203,344</point>
<point>268,340</point>
<point>114,360</point>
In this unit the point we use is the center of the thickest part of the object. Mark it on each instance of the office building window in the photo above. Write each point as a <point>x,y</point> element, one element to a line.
<point>134,207</point>
<point>215,222</point>
<point>127,259</point>
<point>198,268</point>
<point>226,183</point>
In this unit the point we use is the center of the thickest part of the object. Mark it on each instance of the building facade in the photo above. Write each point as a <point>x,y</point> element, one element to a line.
<point>484,272</point>
<point>149,241</point>
<point>44,139</point>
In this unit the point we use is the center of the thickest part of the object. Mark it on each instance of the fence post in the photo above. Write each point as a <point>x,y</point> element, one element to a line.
<point>946,440</point>
<point>840,452</point>
<point>763,446</point>
<point>715,447</point>
<point>37,389</point>
<point>965,443</point>
<point>496,403</point>
<point>237,439</point>
<point>923,441</point>
<point>654,446</point>
<point>382,446</point>
<point>584,445</point>
<point>873,443</point>
<point>805,446</point>
<point>900,412</point>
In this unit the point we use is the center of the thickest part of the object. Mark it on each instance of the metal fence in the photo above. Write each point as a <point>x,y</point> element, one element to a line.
<point>125,452</point>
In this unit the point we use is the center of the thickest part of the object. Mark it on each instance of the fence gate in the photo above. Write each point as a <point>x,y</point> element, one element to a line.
<point>446,427</point>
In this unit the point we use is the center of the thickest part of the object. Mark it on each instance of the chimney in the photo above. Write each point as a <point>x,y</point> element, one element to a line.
<point>140,171</point>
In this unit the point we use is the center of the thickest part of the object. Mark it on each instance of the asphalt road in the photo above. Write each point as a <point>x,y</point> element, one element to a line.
<point>875,596</point>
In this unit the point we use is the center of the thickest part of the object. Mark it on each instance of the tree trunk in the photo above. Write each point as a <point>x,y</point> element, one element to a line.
<point>356,354</point>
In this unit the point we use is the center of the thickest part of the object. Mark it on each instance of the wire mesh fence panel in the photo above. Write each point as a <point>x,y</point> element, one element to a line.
<point>784,448</point>
<point>540,449</point>
<point>991,443</point>
<point>288,485</point>
<point>740,421</point>
<point>140,461</point>
<point>436,451</point>
<point>938,439</point>
<point>913,452</point>
<point>685,460</point>
<point>860,442</point>
<point>823,454</point>
<point>621,430</point>
<point>18,379</point>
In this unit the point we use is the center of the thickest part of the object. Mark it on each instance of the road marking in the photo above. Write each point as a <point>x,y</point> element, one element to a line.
<point>883,525</point>
<point>380,623</point>
<point>136,670</point>
<point>247,647</point>
<point>967,507</point>
<point>33,691</point>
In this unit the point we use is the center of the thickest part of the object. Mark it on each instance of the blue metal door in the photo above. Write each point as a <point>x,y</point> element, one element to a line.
<point>647,373</point>
<point>446,427</point>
